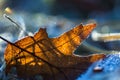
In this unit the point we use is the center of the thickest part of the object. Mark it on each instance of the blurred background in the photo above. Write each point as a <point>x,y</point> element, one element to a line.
<point>59,16</point>
<point>73,9</point>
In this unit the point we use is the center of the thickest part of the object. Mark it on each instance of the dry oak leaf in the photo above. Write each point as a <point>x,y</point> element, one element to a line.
<point>52,58</point>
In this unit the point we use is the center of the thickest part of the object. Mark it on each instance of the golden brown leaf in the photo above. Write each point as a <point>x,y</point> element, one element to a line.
<point>50,57</point>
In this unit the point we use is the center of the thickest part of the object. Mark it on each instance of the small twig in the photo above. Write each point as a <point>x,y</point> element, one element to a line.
<point>2,67</point>
<point>105,37</point>
<point>14,22</point>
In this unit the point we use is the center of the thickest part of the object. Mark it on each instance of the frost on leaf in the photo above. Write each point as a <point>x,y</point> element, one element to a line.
<point>53,58</point>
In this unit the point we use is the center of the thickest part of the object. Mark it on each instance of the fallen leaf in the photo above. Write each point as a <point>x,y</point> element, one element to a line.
<point>52,58</point>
